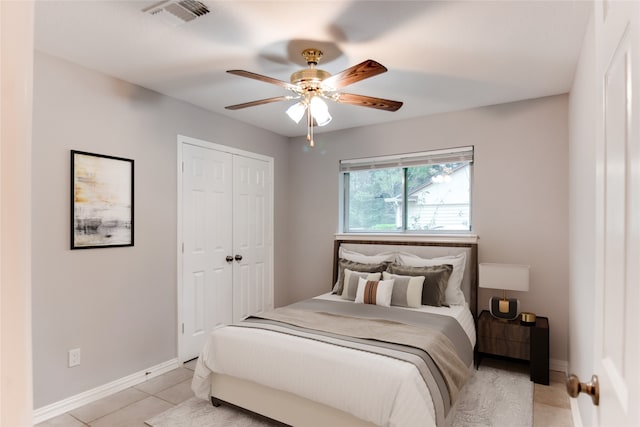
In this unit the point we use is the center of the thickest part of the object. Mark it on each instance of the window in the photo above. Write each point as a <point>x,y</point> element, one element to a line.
<point>419,192</point>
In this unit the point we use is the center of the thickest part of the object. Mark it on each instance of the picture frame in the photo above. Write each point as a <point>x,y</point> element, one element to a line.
<point>102,202</point>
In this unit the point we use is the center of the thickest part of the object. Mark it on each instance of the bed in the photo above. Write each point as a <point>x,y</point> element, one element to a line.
<point>348,357</point>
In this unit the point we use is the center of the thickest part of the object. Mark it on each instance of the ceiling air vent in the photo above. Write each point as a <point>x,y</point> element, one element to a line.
<point>178,12</point>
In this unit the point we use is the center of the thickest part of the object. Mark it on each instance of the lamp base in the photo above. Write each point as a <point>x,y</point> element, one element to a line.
<point>506,309</point>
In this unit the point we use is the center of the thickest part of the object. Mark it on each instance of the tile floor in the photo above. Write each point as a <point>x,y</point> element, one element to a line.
<point>551,405</point>
<point>131,407</point>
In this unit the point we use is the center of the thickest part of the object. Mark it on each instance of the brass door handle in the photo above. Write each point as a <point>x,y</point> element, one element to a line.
<point>575,387</point>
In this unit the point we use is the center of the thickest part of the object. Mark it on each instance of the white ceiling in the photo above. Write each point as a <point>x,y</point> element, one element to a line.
<point>441,55</point>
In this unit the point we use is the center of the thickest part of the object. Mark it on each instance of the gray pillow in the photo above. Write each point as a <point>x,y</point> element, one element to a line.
<point>355,266</point>
<point>407,290</point>
<point>435,283</point>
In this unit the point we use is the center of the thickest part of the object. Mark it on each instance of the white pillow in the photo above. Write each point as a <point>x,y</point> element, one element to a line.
<point>377,292</point>
<point>366,259</point>
<point>351,283</point>
<point>453,294</point>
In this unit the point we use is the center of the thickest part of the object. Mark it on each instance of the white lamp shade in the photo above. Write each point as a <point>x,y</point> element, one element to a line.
<point>511,277</point>
<point>320,111</point>
<point>296,111</point>
<point>318,106</point>
<point>323,119</point>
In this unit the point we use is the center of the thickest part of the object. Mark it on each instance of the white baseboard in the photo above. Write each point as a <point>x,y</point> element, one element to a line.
<point>575,413</point>
<point>58,408</point>
<point>558,365</point>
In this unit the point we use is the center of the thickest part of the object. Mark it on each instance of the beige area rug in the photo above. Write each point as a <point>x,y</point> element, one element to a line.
<point>492,397</point>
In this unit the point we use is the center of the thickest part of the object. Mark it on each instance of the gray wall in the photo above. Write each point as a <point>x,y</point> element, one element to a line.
<point>117,304</point>
<point>520,195</point>
<point>583,104</point>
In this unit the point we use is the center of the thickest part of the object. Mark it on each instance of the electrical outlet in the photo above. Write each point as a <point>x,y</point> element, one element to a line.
<point>74,357</point>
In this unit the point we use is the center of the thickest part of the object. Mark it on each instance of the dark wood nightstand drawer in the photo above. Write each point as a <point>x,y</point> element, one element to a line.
<point>510,331</point>
<point>504,347</point>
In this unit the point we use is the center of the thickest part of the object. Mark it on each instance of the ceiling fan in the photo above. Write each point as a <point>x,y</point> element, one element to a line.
<point>312,85</point>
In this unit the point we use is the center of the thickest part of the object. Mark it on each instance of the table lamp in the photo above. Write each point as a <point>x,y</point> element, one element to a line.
<point>508,277</point>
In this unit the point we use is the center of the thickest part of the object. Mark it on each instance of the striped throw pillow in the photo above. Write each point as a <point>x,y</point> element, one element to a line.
<point>351,282</point>
<point>374,292</point>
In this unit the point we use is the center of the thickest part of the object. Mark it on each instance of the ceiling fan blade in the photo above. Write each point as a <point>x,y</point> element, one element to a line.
<point>361,71</point>
<point>259,102</point>
<point>368,101</point>
<point>249,74</point>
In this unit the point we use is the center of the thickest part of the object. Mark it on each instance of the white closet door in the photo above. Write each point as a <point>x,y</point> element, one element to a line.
<point>252,218</point>
<point>207,236</point>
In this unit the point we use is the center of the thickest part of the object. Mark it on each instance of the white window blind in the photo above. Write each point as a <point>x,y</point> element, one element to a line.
<point>449,155</point>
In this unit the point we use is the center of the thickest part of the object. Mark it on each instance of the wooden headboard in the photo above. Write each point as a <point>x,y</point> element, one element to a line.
<point>425,250</point>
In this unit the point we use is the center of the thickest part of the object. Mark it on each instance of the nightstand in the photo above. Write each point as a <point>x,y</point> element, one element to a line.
<point>508,338</point>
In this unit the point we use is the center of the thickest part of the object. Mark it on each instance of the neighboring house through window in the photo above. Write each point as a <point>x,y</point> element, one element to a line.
<point>427,192</point>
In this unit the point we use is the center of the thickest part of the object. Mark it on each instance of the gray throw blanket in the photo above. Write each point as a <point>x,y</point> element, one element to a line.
<point>443,348</point>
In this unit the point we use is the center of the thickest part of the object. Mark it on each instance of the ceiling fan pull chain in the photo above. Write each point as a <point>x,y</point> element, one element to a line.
<point>309,127</point>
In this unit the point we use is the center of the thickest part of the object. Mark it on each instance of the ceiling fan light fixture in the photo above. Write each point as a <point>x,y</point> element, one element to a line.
<point>317,106</point>
<point>296,111</point>
<point>319,111</point>
<point>323,119</point>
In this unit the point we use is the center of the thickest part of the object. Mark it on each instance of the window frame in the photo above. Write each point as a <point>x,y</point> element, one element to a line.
<point>403,161</point>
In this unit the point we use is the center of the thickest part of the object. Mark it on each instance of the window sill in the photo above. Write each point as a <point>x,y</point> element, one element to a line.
<point>406,237</point>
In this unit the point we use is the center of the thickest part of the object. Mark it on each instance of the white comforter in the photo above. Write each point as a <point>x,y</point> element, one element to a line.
<point>375,388</point>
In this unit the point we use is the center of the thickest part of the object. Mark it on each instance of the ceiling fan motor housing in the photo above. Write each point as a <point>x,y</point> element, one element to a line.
<point>309,76</point>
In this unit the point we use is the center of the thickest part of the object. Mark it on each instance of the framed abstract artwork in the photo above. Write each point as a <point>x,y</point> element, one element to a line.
<point>101,201</point>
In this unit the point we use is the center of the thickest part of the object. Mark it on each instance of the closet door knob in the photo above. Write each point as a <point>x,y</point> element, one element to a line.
<point>238,257</point>
<point>229,258</point>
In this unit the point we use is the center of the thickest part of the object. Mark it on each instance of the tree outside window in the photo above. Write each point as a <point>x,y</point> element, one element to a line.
<point>437,198</point>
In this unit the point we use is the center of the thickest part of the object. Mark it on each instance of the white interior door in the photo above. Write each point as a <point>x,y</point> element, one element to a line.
<point>617,338</point>
<point>252,241</point>
<point>207,238</point>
